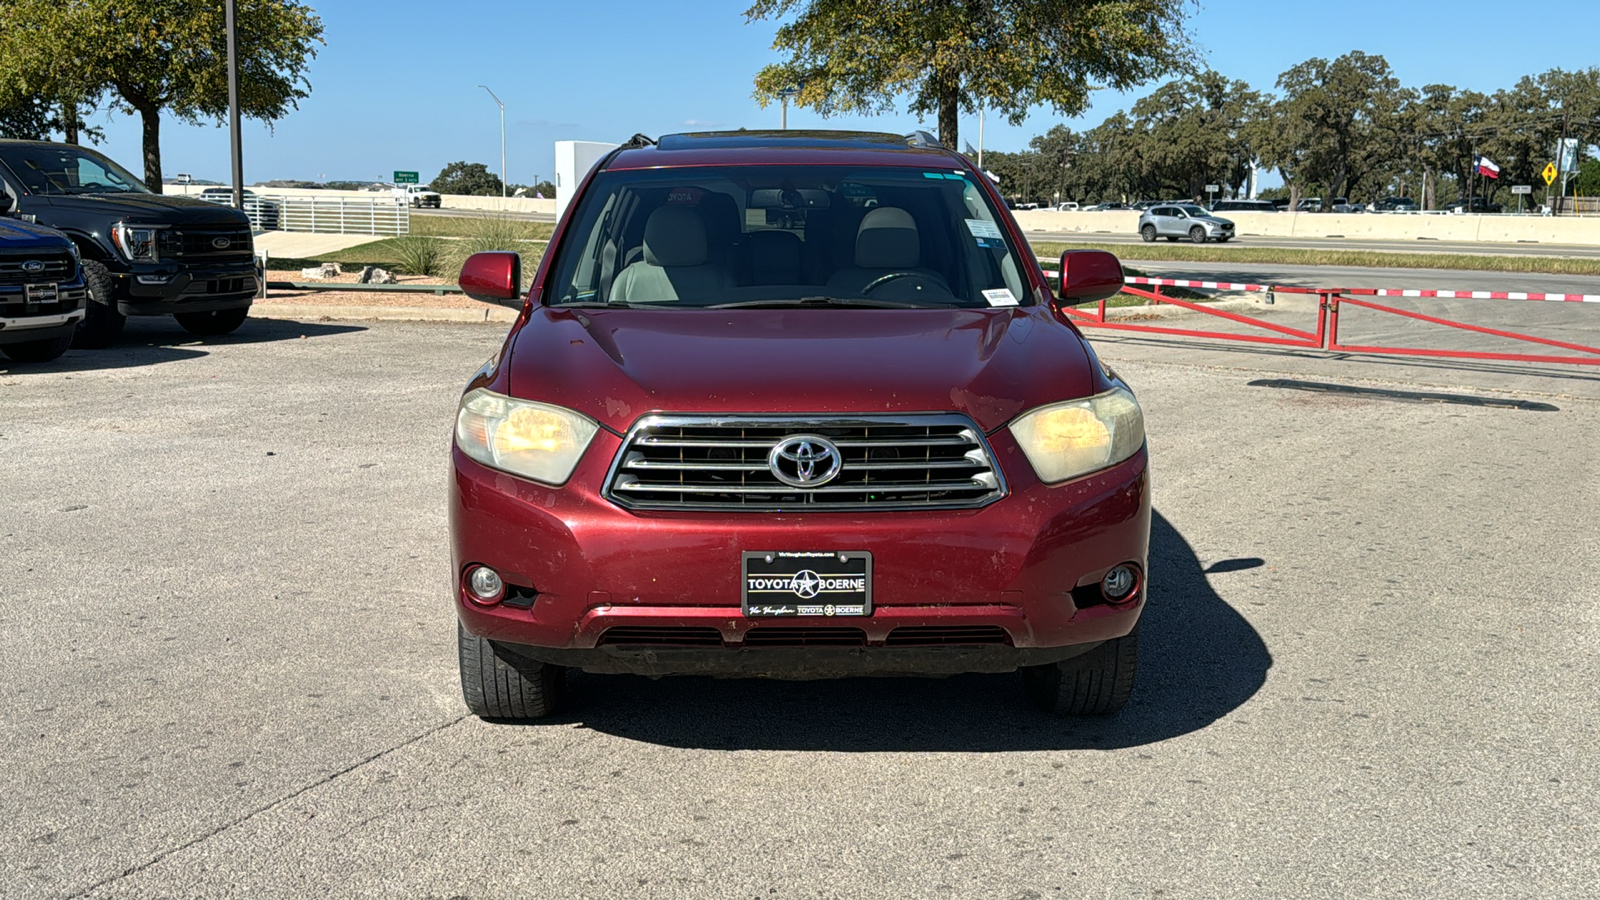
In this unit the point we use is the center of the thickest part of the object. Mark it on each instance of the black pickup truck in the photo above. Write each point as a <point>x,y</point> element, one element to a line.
<point>41,290</point>
<point>144,254</point>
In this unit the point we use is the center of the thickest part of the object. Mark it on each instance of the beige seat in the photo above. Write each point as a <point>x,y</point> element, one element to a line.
<point>886,242</point>
<point>675,264</point>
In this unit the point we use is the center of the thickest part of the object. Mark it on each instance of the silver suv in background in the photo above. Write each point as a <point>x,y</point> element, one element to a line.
<point>1183,220</point>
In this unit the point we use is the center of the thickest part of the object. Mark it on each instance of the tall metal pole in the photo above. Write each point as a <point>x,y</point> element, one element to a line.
<point>502,142</point>
<point>236,144</point>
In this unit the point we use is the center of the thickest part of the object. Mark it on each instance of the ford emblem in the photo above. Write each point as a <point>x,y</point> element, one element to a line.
<point>33,267</point>
<point>220,243</point>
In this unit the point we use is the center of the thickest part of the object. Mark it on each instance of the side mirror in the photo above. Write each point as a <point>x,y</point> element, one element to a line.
<point>494,277</point>
<point>1088,276</point>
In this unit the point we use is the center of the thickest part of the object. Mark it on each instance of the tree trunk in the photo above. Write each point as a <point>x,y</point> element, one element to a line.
<point>69,121</point>
<point>949,108</point>
<point>150,115</point>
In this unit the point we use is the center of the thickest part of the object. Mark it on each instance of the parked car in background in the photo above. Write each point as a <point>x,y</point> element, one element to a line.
<point>1184,221</point>
<point>263,213</point>
<point>858,438</point>
<point>418,195</point>
<point>41,289</point>
<point>1395,204</point>
<point>1309,204</point>
<point>1142,205</point>
<point>1243,206</point>
<point>1281,204</point>
<point>1107,206</point>
<point>1479,205</point>
<point>1067,206</point>
<point>144,254</point>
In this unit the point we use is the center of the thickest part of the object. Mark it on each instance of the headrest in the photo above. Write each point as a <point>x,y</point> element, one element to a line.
<point>675,236</point>
<point>774,249</point>
<point>887,239</point>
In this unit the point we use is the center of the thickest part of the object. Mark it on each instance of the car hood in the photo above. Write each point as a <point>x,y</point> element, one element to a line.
<point>155,209</point>
<point>1215,220</point>
<point>16,234</point>
<point>617,365</point>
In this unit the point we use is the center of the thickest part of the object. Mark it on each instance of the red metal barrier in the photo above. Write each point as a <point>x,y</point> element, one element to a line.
<point>1326,336</point>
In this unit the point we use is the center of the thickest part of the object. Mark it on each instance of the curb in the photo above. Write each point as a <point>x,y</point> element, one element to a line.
<point>498,315</point>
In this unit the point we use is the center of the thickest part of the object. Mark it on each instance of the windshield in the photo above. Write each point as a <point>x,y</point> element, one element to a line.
<point>65,169</point>
<point>787,236</point>
<point>1194,211</point>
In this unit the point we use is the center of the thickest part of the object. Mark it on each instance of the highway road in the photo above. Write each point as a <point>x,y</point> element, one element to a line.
<point>1368,666</point>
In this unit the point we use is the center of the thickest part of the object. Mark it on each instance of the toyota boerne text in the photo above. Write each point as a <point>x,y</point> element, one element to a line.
<point>795,405</point>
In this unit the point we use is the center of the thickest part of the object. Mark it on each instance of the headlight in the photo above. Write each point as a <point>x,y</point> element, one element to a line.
<point>137,244</point>
<point>1070,439</point>
<point>528,439</point>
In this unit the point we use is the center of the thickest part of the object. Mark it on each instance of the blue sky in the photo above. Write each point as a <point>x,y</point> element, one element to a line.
<point>396,85</point>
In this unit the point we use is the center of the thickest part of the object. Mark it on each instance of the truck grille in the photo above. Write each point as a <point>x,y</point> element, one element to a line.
<point>199,243</point>
<point>58,267</point>
<point>885,463</point>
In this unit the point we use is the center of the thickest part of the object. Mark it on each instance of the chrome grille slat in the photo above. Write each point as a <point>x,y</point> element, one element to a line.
<point>918,461</point>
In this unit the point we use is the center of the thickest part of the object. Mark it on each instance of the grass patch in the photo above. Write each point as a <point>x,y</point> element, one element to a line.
<point>1164,252</point>
<point>420,255</point>
<point>468,226</point>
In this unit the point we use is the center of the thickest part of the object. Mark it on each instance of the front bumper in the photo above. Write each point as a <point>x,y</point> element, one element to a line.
<point>1006,571</point>
<point>164,289</point>
<point>39,328</point>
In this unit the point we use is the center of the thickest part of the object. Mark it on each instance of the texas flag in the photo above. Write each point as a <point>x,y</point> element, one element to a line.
<point>1487,168</point>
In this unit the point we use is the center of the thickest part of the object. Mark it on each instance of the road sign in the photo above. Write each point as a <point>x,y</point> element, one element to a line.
<point>1549,173</point>
<point>406,177</point>
<point>1522,189</point>
<point>1213,187</point>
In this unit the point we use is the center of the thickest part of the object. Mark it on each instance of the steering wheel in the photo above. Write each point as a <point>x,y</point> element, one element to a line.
<point>882,280</point>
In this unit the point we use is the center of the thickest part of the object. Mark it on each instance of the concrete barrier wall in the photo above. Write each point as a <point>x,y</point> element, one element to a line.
<point>1489,229</point>
<point>447,201</point>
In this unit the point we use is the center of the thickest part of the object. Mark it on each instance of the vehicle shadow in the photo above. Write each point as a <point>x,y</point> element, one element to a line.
<point>148,341</point>
<point>1199,660</point>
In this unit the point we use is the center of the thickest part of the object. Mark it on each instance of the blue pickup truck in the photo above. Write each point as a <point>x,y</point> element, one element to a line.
<point>42,292</point>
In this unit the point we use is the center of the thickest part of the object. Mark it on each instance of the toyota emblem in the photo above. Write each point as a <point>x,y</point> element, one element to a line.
<point>805,461</point>
<point>220,243</point>
<point>33,267</point>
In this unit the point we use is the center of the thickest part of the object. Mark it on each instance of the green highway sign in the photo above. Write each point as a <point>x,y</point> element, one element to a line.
<point>406,177</point>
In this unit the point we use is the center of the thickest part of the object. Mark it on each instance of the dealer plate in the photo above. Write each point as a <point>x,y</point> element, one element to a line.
<point>779,583</point>
<point>39,294</point>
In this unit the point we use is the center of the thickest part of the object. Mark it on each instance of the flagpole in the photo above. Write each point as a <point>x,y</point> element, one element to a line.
<point>980,138</point>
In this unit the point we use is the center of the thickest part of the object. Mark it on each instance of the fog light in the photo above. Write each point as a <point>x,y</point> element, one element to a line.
<point>1119,583</point>
<point>485,586</point>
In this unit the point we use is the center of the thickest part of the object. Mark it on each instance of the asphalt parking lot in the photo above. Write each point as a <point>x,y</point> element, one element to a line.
<point>1369,666</point>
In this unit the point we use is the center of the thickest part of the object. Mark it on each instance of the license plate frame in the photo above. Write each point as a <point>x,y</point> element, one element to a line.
<point>41,294</point>
<point>762,573</point>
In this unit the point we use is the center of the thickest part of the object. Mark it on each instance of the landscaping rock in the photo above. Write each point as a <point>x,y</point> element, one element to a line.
<point>375,275</point>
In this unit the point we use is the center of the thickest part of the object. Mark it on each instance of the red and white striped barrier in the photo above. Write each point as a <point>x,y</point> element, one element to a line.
<point>1469,295</point>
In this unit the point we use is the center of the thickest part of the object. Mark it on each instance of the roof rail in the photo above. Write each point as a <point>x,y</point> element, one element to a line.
<point>637,141</point>
<point>923,139</point>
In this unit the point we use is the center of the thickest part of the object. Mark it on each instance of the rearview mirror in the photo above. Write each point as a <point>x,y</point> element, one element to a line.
<point>494,277</point>
<point>1088,276</point>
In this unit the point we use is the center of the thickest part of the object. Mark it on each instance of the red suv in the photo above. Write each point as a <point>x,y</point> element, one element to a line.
<point>795,405</point>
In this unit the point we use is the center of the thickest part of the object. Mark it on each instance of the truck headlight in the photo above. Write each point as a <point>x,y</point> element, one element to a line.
<point>136,243</point>
<point>1066,440</point>
<point>533,440</point>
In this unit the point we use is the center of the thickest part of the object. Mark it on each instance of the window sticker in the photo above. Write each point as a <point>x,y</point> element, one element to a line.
<point>991,243</point>
<point>936,176</point>
<point>983,228</point>
<point>1000,297</point>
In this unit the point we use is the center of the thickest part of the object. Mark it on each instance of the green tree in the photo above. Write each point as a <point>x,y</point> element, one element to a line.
<point>27,118</point>
<point>859,56</point>
<point>467,178</point>
<point>543,189</point>
<point>153,56</point>
<point>1199,130</point>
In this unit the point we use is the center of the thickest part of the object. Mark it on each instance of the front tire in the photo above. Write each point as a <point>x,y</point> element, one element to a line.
<point>1148,233</point>
<point>1096,683</point>
<point>102,323</point>
<point>37,351</point>
<point>1197,234</point>
<point>499,685</point>
<point>211,324</point>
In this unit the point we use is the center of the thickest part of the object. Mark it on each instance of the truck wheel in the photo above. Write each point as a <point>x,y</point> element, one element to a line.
<point>37,351</point>
<point>1197,234</point>
<point>210,324</point>
<point>101,322</point>
<point>1094,684</point>
<point>1148,233</point>
<point>499,685</point>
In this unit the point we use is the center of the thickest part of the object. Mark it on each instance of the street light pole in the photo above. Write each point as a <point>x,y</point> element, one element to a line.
<point>235,149</point>
<point>784,95</point>
<point>502,140</point>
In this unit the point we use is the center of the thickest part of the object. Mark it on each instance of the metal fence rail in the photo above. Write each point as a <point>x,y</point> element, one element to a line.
<point>382,214</point>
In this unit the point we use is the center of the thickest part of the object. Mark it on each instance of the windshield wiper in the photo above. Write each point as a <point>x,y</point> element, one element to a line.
<point>608,304</point>
<point>820,302</point>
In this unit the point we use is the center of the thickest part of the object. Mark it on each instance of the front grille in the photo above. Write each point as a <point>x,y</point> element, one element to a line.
<point>929,635</point>
<point>886,463</point>
<point>774,636</point>
<point>198,243</point>
<point>58,267</point>
<point>662,637</point>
